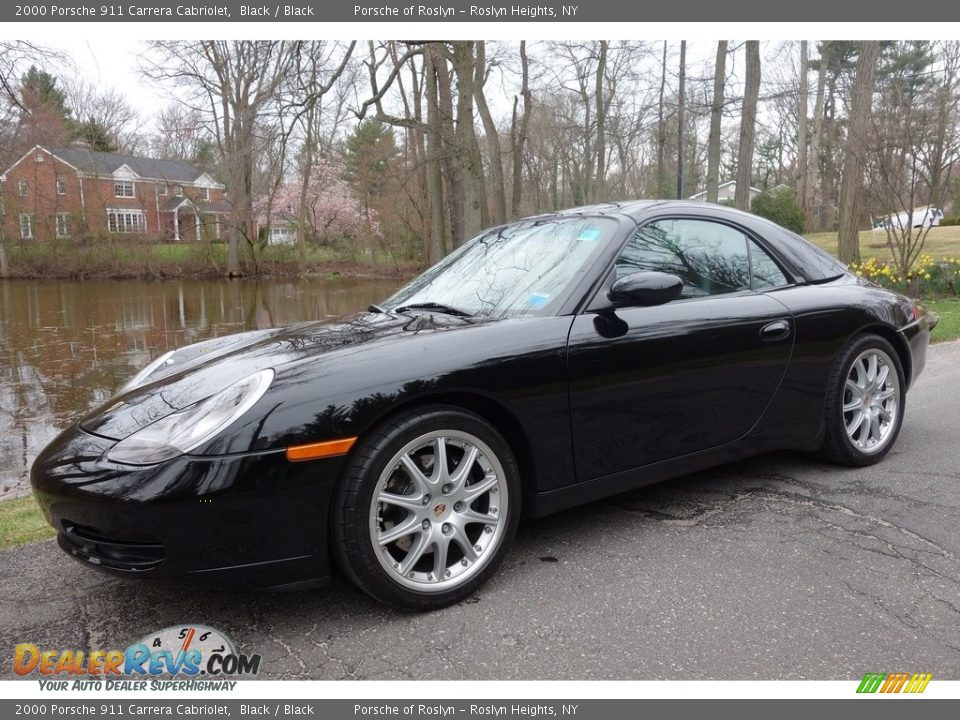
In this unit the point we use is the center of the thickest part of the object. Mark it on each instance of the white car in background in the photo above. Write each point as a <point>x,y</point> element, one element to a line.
<point>920,217</point>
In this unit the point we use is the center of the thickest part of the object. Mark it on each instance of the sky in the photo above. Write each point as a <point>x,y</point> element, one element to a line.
<point>113,63</point>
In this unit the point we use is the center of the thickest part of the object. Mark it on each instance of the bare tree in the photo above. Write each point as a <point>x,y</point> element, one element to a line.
<point>801,173</point>
<point>234,83</point>
<point>104,116</point>
<point>748,125</point>
<point>851,184</point>
<point>813,156</point>
<point>519,130</point>
<point>716,116</point>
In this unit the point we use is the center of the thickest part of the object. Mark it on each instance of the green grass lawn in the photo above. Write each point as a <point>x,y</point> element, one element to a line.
<point>949,311</point>
<point>22,522</point>
<point>940,242</point>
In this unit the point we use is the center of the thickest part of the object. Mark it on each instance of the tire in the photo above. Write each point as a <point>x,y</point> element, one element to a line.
<point>415,536</point>
<point>866,399</point>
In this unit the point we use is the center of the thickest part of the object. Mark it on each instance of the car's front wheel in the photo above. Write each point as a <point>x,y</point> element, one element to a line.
<point>427,507</point>
<point>865,402</point>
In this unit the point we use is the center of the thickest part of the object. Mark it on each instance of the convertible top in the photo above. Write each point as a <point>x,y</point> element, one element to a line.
<point>806,261</point>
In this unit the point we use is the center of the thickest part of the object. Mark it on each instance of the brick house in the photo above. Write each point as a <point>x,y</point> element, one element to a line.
<point>76,193</point>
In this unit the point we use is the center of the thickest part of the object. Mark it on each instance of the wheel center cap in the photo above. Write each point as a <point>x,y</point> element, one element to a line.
<point>439,509</point>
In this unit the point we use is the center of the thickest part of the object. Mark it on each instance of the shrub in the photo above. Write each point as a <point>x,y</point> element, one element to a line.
<point>950,221</point>
<point>927,278</point>
<point>781,208</point>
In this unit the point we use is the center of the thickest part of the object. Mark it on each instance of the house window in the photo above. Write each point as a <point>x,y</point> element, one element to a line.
<point>22,188</point>
<point>61,185</point>
<point>205,194</point>
<point>26,226</point>
<point>162,189</point>
<point>123,188</point>
<point>178,190</point>
<point>63,225</point>
<point>125,221</point>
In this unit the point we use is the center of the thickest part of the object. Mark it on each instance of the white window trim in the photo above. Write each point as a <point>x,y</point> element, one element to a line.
<point>126,227</point>
<point>117,184</point>
<point>205,194</point>
<point>28,235</point>
<point>178,190</point>
<point>23,187</point>
<point>61,185</point>
<point>162,189</point>
<point>62,223</point>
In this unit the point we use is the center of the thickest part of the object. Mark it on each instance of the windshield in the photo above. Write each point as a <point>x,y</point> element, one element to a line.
<point>515,270</point>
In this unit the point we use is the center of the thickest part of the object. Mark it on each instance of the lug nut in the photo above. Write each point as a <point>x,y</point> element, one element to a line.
<point>447,489</point>
<point>425,500</point>
<point>446,527</point>
<point>458,506</point>
<point>425,524</point>
<point>477,548</point>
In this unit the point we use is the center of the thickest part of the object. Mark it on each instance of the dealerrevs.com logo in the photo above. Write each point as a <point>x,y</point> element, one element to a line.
<point>184,651</point>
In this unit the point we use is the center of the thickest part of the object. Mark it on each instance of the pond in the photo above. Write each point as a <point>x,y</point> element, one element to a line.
<point>67,346</point>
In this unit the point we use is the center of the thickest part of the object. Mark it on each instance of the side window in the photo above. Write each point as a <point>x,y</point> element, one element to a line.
<point>710,258</point>
<point>764,272</point>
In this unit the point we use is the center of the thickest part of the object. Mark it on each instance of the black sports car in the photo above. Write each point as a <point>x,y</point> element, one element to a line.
<point>546,363</point>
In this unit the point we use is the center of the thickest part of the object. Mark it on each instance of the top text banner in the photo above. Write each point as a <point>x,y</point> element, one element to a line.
<point>457,11</point>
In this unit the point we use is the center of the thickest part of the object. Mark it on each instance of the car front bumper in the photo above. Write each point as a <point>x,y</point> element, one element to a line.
<point>253,519</point>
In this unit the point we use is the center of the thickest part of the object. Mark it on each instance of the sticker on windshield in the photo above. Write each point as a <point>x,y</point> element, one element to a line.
<point>589,234</point>
<point>537,300</point>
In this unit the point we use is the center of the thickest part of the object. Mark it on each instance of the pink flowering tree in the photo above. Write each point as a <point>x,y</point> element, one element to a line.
<point>330,211</point>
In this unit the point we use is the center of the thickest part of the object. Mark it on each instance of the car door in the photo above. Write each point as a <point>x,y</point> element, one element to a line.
<point>649,384</point>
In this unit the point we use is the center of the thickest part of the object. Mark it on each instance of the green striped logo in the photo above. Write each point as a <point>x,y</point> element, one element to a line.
<point>894,682</point>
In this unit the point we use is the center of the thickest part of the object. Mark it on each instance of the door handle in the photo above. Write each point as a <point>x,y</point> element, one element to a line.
<point>776,330</point>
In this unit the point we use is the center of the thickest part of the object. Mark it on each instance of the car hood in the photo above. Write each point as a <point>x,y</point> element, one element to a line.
<point>198,371</point>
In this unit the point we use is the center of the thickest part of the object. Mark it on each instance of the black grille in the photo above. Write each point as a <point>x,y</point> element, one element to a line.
<point>95,547</point>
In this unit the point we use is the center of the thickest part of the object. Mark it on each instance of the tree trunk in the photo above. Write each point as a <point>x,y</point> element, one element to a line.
<point>452,170</point>
<point>306,170</point>
<point>466,147</point>
<point>4,263</point>
<point>716,117</point>
<point>599,186</point>
<point>813,157</point>
<point>434,152</point>
<point>681,101</point>
<point>499,191</point>
<point>748,125</point>
<point>661,127</point>
<point>519,138</point>
<point>851,184</point>
<point>801,179</point>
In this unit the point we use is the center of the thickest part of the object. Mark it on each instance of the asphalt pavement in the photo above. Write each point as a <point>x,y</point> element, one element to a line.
<point>779,567</point>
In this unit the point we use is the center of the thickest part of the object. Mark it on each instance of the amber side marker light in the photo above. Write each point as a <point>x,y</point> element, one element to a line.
<point>314,451</point>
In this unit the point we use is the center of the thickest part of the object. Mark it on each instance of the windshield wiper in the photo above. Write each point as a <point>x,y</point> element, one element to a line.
<point>435,307</point>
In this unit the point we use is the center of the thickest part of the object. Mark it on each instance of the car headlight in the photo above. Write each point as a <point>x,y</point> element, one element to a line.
<point>146,372</point>
<point>187,429</point>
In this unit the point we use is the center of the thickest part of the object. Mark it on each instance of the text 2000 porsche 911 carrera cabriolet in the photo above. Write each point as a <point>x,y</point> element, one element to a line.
<point>544,364</point>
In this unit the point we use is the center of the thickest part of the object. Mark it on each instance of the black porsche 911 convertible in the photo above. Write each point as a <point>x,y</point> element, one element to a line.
<point>546,363</point>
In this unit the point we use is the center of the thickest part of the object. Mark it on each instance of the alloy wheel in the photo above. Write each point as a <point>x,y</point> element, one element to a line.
<point>439,511</point>
<point>871,401</point>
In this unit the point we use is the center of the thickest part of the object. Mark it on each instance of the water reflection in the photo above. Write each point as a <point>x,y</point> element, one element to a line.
<point>68,346</point>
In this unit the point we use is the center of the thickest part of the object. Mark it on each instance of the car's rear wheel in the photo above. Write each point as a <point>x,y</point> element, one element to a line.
<point>427,507</point>
<point>865,402</point>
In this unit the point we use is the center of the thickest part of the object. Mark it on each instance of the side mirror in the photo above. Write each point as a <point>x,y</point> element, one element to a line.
<point>645,288</point>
